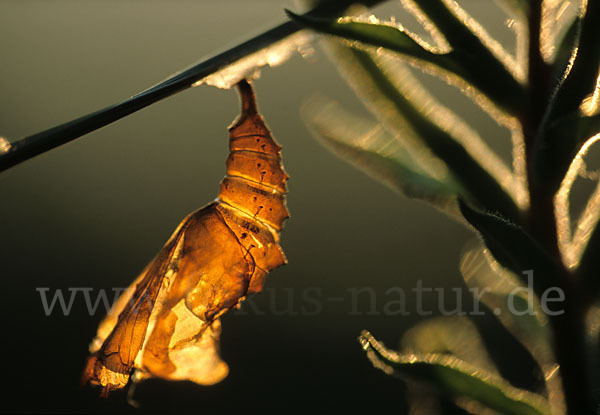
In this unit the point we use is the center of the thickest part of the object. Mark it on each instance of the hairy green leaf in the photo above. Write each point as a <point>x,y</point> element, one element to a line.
<point>491,78</point>
<point>496,285</point>
<point>513,248</point>
<point>565,130</point>
<point>581,80</point>
<point>379,35</point>
<point>455,378</point>
<point>566,48</point>
<point>563,140</point>
<point>427,130</point>
<point>369,147</point>
<point>454,335</point>
<point>502,292</point>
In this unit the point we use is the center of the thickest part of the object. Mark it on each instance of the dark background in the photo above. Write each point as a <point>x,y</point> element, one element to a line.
<point>92,213</point>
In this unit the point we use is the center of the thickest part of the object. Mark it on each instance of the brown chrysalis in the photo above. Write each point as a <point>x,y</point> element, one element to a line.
<point>166,324</point>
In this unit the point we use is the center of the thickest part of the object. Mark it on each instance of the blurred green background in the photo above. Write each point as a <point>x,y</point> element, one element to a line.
<point>92,213</point>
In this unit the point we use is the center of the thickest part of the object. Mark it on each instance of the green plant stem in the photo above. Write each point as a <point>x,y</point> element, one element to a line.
<point>39,143</point>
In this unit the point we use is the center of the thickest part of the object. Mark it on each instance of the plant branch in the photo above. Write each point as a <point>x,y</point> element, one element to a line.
<point>39,143</point>
<point>538,74</point>
<point>541,151</point>
<point>542,223</point>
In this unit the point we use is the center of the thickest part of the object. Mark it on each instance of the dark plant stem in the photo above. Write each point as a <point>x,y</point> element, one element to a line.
<point>39,143</point>
<point>542,224</point>
<point>539,72</point>
<point>571,353</point>
<point>568,328</point>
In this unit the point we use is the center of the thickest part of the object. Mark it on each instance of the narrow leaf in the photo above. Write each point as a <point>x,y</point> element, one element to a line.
<point>563,140</point>
<point>581,80</point>
<point>494,68</point>
<point>462,32</point>
<point>492,80</point>
<point>567,49</point>
<point>366,145</point>
<point>514,249</point>
<point>378,35</point>
<point>497,287</point>
<point>455,378</point>
<point>454,335</point>
<point>478,184</point>
<point>555,148</point>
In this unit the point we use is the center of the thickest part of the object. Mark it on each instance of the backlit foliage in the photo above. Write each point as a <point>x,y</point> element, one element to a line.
<point>420,147</point>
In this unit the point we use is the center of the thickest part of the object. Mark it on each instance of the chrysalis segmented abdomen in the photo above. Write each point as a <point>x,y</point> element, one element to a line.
<point>255,182</point>
<point>252,194</point>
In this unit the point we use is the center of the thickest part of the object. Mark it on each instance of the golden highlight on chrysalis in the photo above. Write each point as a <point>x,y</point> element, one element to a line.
<point>166,324</point>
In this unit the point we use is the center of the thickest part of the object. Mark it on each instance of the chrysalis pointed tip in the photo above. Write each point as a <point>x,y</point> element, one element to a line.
<point>247,96</point>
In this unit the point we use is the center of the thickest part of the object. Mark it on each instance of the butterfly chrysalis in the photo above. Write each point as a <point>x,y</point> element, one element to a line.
<point>166,324</point>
